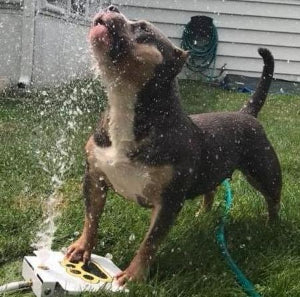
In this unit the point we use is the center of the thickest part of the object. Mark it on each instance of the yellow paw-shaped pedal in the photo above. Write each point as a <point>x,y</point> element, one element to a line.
<point>91,272</point>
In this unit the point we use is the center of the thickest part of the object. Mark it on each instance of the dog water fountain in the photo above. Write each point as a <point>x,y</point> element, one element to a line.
<point>48,274</point>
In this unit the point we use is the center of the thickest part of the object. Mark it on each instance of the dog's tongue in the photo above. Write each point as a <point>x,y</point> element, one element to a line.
<point>100,35</point>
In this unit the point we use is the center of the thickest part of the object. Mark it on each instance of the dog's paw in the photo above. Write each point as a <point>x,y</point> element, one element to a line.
<point>134,272</point>
<point>80,250</point>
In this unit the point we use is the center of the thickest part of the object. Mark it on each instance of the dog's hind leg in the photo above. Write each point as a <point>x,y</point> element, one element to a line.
<point>208,201</point>
<point>263,172</point>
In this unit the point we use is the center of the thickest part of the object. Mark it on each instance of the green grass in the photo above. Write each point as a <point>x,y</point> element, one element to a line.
<point>188,262</point>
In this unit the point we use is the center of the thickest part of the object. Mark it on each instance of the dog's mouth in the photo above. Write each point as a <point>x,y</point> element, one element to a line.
<point>99,34</point>
<point>101,27</point>
<point>108,34</point>
<point>99,22</point>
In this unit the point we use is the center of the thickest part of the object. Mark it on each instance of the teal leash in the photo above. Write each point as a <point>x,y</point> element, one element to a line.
<point>246,285</point>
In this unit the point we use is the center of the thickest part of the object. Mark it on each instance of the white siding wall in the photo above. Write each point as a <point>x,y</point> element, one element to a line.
<point>243,26</point>
<point>10,43</point>
<point>61,51</point>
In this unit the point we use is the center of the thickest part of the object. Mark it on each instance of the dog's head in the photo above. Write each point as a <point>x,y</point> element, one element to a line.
<point>133,51</point>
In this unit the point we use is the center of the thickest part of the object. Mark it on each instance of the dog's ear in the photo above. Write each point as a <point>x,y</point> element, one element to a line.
<point>173,64</point>
<point>180,57</point>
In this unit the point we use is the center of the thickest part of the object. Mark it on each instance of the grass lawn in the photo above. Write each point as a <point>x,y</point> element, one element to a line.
<point>41,154</point>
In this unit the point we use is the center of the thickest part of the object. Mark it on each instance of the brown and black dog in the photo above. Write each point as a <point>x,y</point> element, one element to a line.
<point>149,151</point>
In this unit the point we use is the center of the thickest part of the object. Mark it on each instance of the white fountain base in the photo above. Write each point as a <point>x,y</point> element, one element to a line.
<point>55,277</point>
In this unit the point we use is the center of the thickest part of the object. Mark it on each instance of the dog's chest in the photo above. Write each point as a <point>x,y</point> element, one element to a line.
<point>127,178</point>
<point>133,180</point>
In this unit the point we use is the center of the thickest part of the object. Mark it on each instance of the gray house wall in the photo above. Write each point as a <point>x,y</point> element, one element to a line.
<point>243,26</point>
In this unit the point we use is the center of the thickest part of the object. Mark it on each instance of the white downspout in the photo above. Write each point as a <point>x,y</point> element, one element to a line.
<point>27,46</point>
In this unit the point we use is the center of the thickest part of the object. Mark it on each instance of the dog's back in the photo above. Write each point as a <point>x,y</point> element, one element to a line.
<point>236,140</point>
<point>229,141</point>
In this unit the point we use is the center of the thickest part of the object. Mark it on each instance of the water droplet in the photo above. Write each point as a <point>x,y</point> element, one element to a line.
<point>132,237</point>
<point>109,256</point>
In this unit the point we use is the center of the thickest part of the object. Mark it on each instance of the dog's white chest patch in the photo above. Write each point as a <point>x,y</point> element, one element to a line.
<point>129,179</point>
<point>132,180</point>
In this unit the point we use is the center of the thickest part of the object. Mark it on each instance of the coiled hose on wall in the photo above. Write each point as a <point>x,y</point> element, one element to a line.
<point>200,38</point>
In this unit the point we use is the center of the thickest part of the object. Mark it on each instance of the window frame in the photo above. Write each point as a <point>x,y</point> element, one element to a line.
<point>52,9</point>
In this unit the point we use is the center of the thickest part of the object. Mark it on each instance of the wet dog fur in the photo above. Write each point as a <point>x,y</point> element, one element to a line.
<point>149,151</point>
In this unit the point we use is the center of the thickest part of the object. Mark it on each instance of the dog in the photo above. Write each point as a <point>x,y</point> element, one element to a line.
<point>149,151</point>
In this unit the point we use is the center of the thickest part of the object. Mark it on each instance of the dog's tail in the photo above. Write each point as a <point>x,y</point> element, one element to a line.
<point>257,100</point>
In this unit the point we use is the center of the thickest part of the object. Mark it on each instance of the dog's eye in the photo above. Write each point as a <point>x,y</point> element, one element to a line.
<point>141,26</point>
<point>145,38</point>
<point>144,26</point>
<point>143,32</point>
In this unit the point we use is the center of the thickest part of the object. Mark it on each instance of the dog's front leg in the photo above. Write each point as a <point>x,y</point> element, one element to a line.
<point>94,190</point>
<point>162,219</point>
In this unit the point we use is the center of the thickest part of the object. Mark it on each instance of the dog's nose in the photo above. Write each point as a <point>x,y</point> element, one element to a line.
<point>113,8</point>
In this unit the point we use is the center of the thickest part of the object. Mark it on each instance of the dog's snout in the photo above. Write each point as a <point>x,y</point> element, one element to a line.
<point>113,8</point>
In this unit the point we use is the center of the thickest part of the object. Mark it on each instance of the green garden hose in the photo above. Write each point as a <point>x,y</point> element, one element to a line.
<point>246,285</point>
<point>200,39</point>
<point>20,285</point>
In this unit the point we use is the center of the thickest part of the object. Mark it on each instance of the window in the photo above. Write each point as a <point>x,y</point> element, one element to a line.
<point>74,8</point>
<point>59,3</point>
<point>79,6</point>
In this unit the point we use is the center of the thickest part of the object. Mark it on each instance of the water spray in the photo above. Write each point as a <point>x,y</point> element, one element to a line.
<point>47,273</point>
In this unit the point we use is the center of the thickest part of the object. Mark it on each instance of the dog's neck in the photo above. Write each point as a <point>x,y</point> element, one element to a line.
<point>121,101</point>
<point>134,112</point>
<point>157,107</point>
